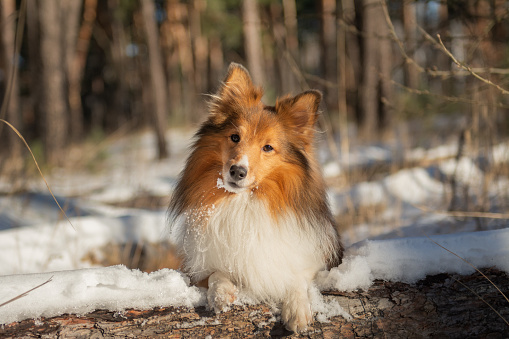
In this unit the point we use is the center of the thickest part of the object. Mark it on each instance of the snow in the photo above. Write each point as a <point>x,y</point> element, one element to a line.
<point>113,288</point>
<point>411,259</point>
<point>37,243</point>
<point>117,288</point>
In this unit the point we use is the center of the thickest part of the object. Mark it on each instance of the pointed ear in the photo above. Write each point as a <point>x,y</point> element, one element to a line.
<point>236,91</point>
<point>236,77</point>
<point>301,113</point>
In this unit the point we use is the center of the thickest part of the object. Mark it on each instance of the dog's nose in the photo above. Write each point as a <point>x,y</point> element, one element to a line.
<point>238,172</point>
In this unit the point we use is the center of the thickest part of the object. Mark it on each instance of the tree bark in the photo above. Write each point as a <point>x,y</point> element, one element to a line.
<point>77,49</point>
<point>441,306</point>
<point>55,132</point>
<point>157,76</point>
<point>10,97</point>
<point>410,27</point>
<point>376,88</point>
<point>329,48</point>
<point>252,40</point>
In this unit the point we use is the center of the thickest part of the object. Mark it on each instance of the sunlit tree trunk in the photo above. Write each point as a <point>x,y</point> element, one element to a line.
<point>384,117</point>
<point>11,95</point>
<point>329,52</point>
<point>200,48</point>
<point>252,40</point>
<point>369,89</point>
<point>157,76</point>
<point>182,56</point>
<point>216,60</point>
<point>77,49</point>
<point>286,54</point>
<point>376,88</point>
<point>53,107</point>
<point>410,27</point>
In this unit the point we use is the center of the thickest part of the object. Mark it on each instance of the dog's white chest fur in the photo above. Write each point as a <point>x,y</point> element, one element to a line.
<point>263,257</point>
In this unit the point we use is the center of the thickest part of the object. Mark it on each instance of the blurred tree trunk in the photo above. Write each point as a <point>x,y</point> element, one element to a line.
<point>200,47</point>
<point>353,65</point>
<point>252,40</point>
<point>216,59</point>
<point>70,12</point>
<point>118,44</point>
<point>77,42</point>
<point>157,76</point>
<point>292,45</point>
<point>182,57</point>
<point>329,56</point>
<point>410,28</point>
<point>376,89</point>
<point>10,97</point>
<point>284,32</point>
<point>368,91</point>
<point>32,115</point>
<point>445,86</point>
<point>171,57</point>
<point>280,54</point>
<point>55,134</point>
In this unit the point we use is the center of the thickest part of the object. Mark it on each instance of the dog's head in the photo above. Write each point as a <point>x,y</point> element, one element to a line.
<point>258,140</point>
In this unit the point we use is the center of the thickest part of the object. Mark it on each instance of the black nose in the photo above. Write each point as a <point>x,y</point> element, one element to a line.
<point>238,172</point>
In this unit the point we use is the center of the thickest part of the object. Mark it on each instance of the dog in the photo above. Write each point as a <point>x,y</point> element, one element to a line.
<point>249,212</point>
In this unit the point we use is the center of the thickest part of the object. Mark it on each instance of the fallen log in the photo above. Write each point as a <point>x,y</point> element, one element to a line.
<point>442,306</point>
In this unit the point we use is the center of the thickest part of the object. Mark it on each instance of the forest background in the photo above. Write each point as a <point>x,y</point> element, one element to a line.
<point>415,73</point>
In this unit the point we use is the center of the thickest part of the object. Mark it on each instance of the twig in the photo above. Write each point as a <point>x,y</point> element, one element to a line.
<point>461,214</point>
<point>468,68</point>
<point>24,294</point>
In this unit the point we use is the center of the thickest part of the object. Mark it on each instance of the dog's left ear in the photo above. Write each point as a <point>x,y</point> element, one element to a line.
<point>301,113</point>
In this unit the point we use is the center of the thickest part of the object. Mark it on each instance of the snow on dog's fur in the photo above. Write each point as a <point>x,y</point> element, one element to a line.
<point>249,211</point>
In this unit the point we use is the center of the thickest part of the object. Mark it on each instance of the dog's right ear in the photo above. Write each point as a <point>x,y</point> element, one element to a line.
<point>236,93</point>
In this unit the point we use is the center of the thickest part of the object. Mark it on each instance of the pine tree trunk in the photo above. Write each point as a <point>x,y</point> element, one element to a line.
<point>252,41</point>
<point>292,47</point>
<point>77,51</point>
<point>329,49</point>
<point>410,27</point>
<point>369,86</point>
<point>10,97</point>
<point>52,78</point>
<point>157,76</point>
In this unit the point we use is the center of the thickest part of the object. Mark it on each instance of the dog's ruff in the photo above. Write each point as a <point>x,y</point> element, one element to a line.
<point>244,242</point>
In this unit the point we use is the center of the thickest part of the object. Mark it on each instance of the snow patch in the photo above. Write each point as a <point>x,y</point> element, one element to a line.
<point>79,292</point>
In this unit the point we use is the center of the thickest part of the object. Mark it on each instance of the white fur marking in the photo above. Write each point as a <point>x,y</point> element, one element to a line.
<point>244,161</point>
<point>263,258</point>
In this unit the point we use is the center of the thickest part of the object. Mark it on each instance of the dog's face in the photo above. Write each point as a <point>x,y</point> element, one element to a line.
<point>259,141</point>
<point>252,149</point>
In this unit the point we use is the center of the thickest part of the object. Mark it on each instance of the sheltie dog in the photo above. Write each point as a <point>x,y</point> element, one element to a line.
<point>250,211</point>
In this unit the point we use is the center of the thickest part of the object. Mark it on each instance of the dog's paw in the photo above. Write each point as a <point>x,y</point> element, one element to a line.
<point>222,292</point>
<point>296,313</point>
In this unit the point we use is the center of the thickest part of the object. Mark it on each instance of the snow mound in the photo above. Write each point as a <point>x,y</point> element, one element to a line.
<point>113,288</point>
<point>411,259</point>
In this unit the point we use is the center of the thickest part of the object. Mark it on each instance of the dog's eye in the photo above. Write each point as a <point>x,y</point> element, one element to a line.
<point>235,138</point>
<point>267,148</point>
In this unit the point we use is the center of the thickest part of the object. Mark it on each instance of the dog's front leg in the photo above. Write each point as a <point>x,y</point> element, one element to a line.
<point>296,311</point>
<point>222,292</point>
